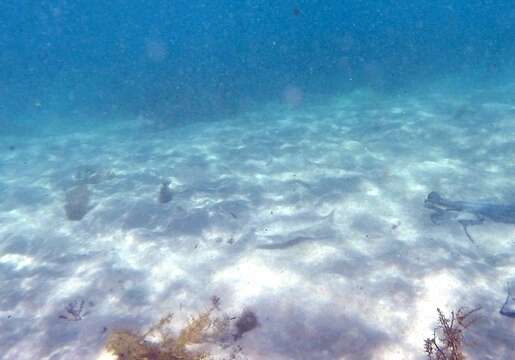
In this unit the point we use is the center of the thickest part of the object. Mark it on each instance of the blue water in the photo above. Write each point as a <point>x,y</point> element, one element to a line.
<point>204,59</point>
<point>276,155</point>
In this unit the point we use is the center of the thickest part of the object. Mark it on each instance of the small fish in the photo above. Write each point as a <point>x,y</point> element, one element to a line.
<point>508,309</point>
<point>77,202</point>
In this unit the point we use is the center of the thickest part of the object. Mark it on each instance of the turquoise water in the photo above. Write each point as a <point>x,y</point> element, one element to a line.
<point>206,59</point>
<point>276,156</point>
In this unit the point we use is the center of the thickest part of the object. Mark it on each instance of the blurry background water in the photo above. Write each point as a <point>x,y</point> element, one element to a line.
<point>181,61</point>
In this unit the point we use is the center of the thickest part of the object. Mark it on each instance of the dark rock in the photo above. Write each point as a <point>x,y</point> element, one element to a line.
<point>245,323</point>
<point>165,193</point>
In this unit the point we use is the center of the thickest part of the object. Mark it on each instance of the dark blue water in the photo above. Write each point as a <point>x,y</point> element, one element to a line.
<point>186,60</point>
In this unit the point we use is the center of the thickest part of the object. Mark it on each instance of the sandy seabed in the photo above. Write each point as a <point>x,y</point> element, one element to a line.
<point>313,217</point>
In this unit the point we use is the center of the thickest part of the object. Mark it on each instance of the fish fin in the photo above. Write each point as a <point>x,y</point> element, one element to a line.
<point>330,216</point>
<point>464,224</point>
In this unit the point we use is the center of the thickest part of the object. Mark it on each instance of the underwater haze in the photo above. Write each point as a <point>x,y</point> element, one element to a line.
<point>290,179</point>
<point>182,60</point>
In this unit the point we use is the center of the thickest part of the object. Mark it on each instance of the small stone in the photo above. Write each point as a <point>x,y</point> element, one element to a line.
<point>245,323</point>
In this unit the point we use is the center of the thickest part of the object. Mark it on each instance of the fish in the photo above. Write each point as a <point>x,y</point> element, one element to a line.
<point>287,231</point>
<point>77,202</point>
<point>468,212</point>
<point>508,309</point>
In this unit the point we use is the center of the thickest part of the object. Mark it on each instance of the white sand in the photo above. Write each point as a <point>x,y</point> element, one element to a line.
<point>362,282</point>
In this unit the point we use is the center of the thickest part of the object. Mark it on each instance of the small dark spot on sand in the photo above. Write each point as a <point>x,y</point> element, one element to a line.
<point>165,193</point>
<point>296,11</point>
<point>215,301</point>
<point>12,148</point>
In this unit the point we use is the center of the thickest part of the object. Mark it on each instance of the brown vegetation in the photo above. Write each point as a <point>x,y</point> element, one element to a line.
<point>447,340</point>
<point>159,342</point>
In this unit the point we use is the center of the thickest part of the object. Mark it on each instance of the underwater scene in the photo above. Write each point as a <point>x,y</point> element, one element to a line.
<point>240,180</point>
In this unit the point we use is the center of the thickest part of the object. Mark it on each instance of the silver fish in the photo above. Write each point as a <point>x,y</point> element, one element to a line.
<point>288,231</point>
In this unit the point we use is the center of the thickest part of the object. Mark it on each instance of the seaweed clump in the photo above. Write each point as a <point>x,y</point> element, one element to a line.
<point>447,340</point>
<point>159,343</point>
